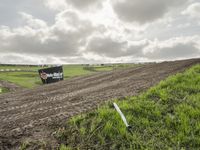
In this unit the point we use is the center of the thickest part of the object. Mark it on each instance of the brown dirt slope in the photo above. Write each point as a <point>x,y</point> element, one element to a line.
<point>31,114</point>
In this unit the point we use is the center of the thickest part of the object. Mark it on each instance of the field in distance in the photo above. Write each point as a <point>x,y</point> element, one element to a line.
<point>27,76</point>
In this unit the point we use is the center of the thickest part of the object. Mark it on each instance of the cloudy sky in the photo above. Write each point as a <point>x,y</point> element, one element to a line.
<point>98,31</point>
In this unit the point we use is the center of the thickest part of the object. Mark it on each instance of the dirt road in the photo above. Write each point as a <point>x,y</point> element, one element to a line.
<point>31,114</point>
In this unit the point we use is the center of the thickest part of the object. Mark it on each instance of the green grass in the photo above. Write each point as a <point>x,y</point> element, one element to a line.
<point>24,79</point>
<point>167,116</point>
<point>75,70</point>
<point>32,68</point>
<point>3,90</point>
<point>31,79</point>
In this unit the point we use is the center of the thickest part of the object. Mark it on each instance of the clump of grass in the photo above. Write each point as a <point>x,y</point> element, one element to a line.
<point>167,116</point>
<point>3,90</point>
<point>35,144</point>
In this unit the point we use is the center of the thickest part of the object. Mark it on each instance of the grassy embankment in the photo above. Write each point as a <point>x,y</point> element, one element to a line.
<point>167,116</point>
<point>31,79</point>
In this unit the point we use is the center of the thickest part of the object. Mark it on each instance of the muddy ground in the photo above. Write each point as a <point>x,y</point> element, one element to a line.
<point>32,115</point>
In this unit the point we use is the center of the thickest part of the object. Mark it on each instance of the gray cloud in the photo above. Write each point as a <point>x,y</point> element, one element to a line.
<point>33,45</point>
<point>111,48</point>
<point>48,31</point>
<point>13,58</point>
<point>56,40</point>
<point>143,12</point>
<point>82,4</point>
<point>136,50</point>
<point>17,58</point>
<point>106,47</point>
<point>180,50</point>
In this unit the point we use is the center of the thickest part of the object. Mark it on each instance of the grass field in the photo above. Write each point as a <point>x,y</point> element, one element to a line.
<point>31,79</point>
<point>33,68</point>
<point>22,78</point>
<point>167,116</point>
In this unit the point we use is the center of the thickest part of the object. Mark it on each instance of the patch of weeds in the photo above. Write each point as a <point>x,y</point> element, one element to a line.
<point>34,145</point>
<point>3,90</point>
<point>63,147</point>
<point>24,146</point>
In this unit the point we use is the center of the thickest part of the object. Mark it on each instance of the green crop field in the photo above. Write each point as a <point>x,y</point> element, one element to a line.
<point>29,77</point>
<point>167,116</point>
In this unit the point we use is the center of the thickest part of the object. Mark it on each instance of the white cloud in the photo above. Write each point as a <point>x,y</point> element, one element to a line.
<point>193,10</point>
<point>9,11</point>
<point>33,22</point>
<point>174,48</point>
<point>98,31</point>
<point>65,37</point>
<point>58,5</point>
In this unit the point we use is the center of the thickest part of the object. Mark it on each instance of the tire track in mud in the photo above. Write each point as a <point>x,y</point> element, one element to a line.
<point>26,111</point>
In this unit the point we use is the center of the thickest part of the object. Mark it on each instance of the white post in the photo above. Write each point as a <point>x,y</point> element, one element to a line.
<point>121,114</point>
